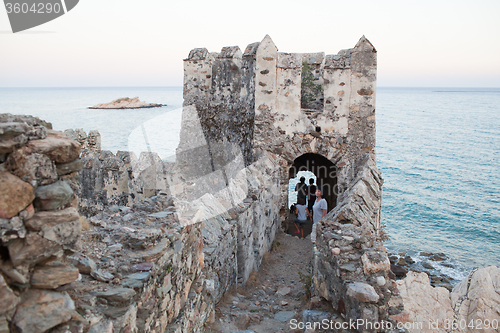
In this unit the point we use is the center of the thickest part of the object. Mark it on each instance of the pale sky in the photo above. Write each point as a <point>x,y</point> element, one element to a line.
<point>142,43</point>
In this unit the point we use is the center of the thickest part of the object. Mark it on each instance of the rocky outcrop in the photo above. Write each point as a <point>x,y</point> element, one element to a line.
<point>472,306</point>
<point>39,225</point>
<point>424,304</point>
<point>126,103</point>
<point>476,300</point>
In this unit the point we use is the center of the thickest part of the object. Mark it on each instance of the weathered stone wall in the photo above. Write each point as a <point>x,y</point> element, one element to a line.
<point>119,179</point>
<point>237,238</point>
<point>131,269</point>
<point>220,87</point>
<point>90,141</point>
<point>352,269</point>
<point>39,226</point>
<point>141,270</point>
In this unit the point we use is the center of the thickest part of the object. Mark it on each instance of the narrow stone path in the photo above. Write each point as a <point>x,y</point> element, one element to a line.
<point>274,296</point>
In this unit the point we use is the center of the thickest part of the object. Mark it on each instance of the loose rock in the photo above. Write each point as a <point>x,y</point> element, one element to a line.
<point>51,277</point>
<point>53,196</point>
<point>363,292</point>
<point>15,195</point>
<point>41,310</point>
<point>57,146</point>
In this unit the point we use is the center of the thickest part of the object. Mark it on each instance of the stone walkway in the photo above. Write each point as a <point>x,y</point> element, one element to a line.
<point>274,298</point>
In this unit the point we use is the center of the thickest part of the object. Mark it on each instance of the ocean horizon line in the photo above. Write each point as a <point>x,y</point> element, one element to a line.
<point>180,86</point>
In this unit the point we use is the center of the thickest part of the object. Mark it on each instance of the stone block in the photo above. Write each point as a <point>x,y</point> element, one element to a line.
<point>65,234</point>
<point>41,310</point>
<point>51,218</point>
<point>9,270</point>
<point>11,229</point>
<point>102,327</point>
<point>374,261</point>
<point>12,135</point>
<point>101,275</point>
<point>33,249</point>
<point>51,277</point>
<point>57,146</point>
<point>11,130</point>
<point>117,295</point>
<point>8,299</point>
<point>35,169</point>
<point>15,195</point>
<point>66,168</point>
<point>363,292</point>
<point>53,196</point>
<point>242,321</point>
<point>85,265</point>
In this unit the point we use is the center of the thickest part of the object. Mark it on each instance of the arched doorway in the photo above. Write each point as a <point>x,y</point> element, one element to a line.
<point>325,172</point>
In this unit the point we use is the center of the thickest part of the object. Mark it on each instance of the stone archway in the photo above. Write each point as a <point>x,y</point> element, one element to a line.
<point>325,172</point>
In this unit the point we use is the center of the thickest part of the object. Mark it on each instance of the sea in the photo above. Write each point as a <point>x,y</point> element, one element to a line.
<point>438,150</point>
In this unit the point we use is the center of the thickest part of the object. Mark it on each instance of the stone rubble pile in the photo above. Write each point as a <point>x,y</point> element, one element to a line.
<point>141,270</point>
<point>39,225</point>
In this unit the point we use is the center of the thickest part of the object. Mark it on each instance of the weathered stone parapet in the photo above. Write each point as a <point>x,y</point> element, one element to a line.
<point>197,75</point>
<point>122,179</point>
<point>39,225</point>
<point>90,141</point>
<point>352,269</point>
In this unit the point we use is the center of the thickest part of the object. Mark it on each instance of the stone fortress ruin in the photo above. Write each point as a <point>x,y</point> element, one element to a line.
<point>154,244</point>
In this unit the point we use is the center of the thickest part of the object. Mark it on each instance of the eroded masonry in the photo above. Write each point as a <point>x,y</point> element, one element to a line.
<point>157,244</point>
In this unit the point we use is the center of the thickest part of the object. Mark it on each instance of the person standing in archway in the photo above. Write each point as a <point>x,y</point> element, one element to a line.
<point>311,194</point>
<point>301,189</point>
<point>301,220</point>
<point>318,211</point>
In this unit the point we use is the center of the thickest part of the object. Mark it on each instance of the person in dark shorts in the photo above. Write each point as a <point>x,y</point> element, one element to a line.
<point>311,194</point>
<point>302,213</point>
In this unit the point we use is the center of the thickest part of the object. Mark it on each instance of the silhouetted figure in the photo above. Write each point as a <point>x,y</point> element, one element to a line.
<point>301,189</point>
<point>311,194</point>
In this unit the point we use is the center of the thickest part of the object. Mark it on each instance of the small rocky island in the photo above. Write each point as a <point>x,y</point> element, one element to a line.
<point>126,103</point>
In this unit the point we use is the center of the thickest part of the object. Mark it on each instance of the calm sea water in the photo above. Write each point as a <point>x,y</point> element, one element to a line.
<point>437,148</point>
<point>439,152</point>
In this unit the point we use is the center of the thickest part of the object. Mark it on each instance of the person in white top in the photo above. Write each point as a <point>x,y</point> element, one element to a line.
<point>319,211</point>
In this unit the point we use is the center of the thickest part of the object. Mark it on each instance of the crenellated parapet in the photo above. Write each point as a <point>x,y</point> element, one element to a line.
<point>289,104</point>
